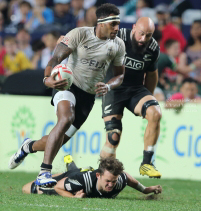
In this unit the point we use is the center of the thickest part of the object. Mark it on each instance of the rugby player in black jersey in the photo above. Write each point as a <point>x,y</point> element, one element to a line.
<point>105,182</point>
<point>135,93</point>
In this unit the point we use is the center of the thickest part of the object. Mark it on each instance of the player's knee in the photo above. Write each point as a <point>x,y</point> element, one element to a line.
<point>151,110</point>
<point>114,138</point>
<point>66,121</point>
<point>113,129</point>
<point>154,114</point>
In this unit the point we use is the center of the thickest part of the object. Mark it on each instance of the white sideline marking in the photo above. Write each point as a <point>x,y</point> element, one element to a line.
<point>56,206</point>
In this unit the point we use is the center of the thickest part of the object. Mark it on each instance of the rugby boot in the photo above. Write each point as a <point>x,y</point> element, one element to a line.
<point>149,170</point>
<point>17,158</point>
<point>70,164</point>
<point>45,180</point>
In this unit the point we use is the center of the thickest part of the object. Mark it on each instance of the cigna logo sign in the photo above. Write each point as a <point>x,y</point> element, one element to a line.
<point>187,143</point>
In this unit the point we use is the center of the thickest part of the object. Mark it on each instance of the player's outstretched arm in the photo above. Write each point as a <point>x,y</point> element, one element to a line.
<point>133,183</point>
<point>61,53</point>
<point>59,188</point>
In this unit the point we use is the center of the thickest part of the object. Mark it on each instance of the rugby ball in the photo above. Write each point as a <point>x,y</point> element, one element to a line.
<point>64,72</point>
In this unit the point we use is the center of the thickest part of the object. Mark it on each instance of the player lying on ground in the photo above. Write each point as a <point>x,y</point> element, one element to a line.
<point>105,182</point>
<point>91,50</point>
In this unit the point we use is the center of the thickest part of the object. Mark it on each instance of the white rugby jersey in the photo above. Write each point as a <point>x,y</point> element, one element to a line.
<point>91,56</point>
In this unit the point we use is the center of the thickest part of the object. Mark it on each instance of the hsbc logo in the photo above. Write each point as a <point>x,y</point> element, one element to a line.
<point>133,63</point>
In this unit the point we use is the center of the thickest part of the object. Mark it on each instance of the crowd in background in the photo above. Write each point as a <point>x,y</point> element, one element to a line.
<point>29,31</point>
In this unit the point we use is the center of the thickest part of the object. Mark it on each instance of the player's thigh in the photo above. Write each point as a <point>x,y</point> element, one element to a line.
<point>138,108</point>
<point>64,104</point>
<point>83,108</point>
<point>66,110</point>
<point>113,105</point>
<point>137,100</point>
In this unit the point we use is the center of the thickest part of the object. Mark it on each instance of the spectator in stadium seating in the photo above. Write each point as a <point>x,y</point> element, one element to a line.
<point>142,4</point>
<point>3,5</point>
<point>2,31</point>
<point>176,10</point>
<point>178,7</point>
<point>159,94</point>
<point>173,62</point>
<point>14,61</point>
<point>25,8</point>
<point>63,16</point>
<point>193,50</point>
<point>39,15</point>
<point>23,40</point>
<point>37,47</point>
<point>169,31</point>
<point>188,93</point>
<point>78,11</point>
<point>130,7</point>
<point>50,41</point>
<point>2,54</point>
<point>105,182</point>
<point>90,18</point>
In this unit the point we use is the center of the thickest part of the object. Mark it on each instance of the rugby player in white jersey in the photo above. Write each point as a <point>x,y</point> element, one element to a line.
<point>91,50</point>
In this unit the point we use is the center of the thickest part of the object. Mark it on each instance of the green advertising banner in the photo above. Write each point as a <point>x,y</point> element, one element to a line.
<point>178,151</point>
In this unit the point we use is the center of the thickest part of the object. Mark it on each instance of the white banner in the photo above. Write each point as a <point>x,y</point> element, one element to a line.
<point>178,151</point>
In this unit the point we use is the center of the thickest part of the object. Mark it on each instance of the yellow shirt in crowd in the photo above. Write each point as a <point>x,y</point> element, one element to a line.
<point>19,63</point>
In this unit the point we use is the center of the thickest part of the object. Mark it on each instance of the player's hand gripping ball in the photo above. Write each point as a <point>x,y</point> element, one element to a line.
<point>64,72</point>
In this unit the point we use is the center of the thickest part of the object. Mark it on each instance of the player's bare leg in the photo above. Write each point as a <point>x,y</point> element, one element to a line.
<point>114,130</point>
<point>41,143</point>
<point>65,114</point>
<point>152,113</point>
<point>29,146</point>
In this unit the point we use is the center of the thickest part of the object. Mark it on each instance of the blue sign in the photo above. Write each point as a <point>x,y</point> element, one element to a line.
<point>81,142</point>
<point>187,147</point>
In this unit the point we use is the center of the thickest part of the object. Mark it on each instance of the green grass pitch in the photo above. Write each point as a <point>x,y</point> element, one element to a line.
<point>177,195</point>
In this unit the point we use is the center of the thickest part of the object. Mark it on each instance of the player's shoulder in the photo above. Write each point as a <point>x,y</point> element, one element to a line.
<point>90,180</point>
<point>153,47</point>
<point>121,181</point>
<point>124,34</point>
<point>83,30</point>
<point>119,41</point>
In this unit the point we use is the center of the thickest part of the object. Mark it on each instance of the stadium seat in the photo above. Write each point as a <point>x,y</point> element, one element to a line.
<point>196,4</point>
<point>156,2</point>
<point>148,12</point>
<point>190,15</point>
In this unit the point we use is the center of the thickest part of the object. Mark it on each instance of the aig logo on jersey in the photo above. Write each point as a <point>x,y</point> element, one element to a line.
<point>133,63</point>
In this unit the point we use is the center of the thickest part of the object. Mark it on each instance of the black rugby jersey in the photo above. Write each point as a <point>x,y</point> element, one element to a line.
<point>87,181</point>
<point>136,64</point>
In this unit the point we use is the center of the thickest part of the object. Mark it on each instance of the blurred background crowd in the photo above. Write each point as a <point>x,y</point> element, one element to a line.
<point>29,31</point>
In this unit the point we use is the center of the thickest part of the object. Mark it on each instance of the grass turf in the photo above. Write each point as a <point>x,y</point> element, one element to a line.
<point>177,195</point>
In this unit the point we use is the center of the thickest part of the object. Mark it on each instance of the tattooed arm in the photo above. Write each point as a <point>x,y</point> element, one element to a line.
<point>62,52</point>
